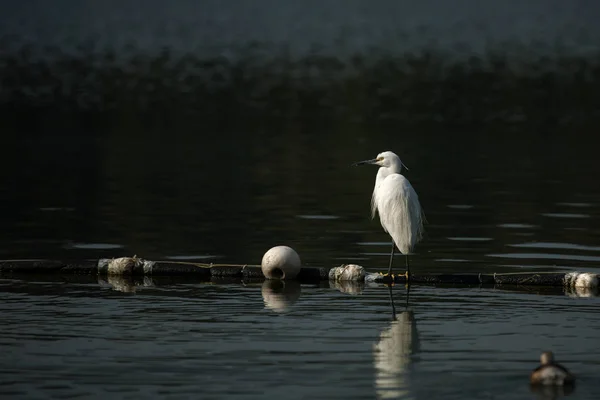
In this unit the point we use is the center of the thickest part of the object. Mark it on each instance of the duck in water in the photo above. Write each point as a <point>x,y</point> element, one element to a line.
<point>550,373</point>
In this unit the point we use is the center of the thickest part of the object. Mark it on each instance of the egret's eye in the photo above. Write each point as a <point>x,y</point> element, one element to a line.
<point>379,158</point>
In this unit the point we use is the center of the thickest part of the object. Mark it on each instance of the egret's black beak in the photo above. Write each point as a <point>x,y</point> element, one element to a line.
<point>373,161</point>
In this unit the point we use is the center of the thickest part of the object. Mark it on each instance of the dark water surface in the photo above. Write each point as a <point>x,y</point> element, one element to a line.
<point>496,203</point>
<point>179,132</point>
<point>77,339</point>
<point>501,207</point>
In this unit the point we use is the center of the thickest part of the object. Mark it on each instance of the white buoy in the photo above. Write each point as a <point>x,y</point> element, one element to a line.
<point>347,272</point>
<point>581,284</point>
<point>585,280</point>
<point>281,262</point>
<point>121,266</point>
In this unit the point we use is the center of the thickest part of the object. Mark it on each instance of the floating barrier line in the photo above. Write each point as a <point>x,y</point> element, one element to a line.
<point>135,266</point>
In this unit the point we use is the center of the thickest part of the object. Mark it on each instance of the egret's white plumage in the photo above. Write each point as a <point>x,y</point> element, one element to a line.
<point>397,203</point>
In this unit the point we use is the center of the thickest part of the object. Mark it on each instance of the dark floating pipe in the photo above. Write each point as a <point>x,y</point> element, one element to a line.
<point>135,266</point>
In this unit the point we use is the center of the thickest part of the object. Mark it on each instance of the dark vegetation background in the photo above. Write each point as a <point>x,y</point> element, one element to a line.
<point>213,129</point>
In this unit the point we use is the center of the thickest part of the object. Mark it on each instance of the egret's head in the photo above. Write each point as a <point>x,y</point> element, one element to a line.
<point>547,358</point>
<point>387,159</point>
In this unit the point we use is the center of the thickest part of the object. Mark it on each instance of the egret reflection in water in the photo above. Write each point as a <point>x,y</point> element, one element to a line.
<point>280,295</point>
<point>393,354</point>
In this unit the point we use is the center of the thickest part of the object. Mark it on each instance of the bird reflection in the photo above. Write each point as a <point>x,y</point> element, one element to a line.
<point>551,392</point>
<point>280,295</point>
<point>393,353</point>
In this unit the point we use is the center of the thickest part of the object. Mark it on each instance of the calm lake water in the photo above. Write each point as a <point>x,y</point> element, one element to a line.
<point>69,337</point>
<point>209,160</point>
<point>77,339</point>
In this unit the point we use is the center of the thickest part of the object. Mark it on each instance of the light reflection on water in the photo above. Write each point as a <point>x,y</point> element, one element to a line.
<point>539,256</point>
<point>153,337</point>
<point>564,246</point>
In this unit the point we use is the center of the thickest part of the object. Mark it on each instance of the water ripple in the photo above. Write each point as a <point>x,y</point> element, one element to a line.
<point>68,339</point>
<point>553,245</point>
<point>566,215</point>
<point>545,256</point>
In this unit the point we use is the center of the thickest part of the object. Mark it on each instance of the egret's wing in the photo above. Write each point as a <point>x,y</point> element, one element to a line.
<point>374,202</point>
<point>400,211</point>
<point>382,173</point>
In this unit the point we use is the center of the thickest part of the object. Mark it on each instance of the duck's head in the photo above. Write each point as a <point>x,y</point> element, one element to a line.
<point>546,358</point>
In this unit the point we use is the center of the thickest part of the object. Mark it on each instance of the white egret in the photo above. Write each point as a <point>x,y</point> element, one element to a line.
<point>397,204</point>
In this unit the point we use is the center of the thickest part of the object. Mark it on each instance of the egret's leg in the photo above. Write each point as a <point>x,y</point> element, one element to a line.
<point>407,274</point>
<point>392,303</point>
<point>391,258</point>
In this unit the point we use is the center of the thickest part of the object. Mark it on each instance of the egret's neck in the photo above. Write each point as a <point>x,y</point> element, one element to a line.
<point>395,166</point>
<point>382,173</point>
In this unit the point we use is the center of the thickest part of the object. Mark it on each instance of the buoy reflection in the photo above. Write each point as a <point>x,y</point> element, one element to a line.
<point>349,287</point>
<point>280,295</point>
<point>125,284</point>
<point>576,291</point>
